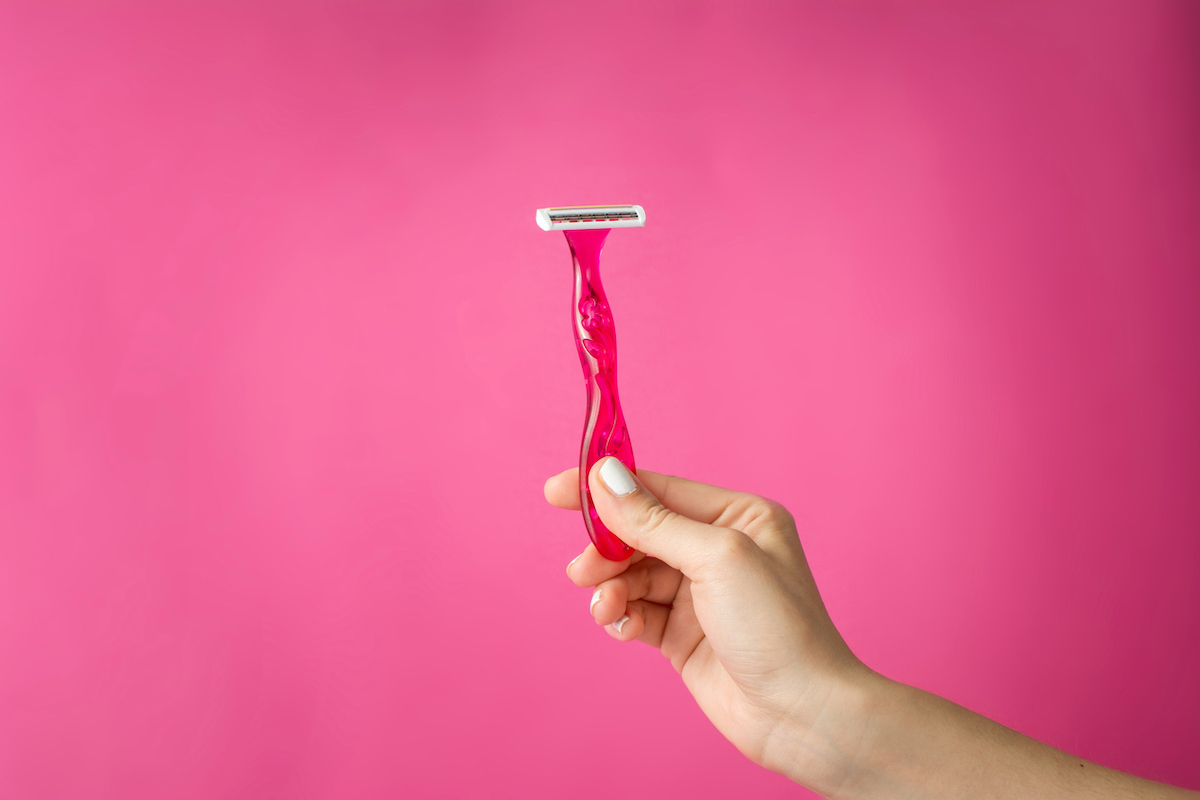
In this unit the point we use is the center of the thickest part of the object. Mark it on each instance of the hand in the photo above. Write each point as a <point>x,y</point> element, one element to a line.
<point>720,585</point>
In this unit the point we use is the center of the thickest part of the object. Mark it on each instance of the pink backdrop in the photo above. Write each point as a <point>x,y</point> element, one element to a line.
<point>284,362</point>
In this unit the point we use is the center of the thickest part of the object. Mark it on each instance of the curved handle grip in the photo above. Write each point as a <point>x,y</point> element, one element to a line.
<point>604,431</point>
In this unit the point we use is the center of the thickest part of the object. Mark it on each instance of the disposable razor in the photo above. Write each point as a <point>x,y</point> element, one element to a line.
<point>604,430</point>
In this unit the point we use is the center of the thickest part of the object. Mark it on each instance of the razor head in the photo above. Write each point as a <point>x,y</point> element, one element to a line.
<point>576,218</point>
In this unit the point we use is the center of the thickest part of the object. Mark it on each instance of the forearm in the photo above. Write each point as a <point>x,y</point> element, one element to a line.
<point>912,744</point>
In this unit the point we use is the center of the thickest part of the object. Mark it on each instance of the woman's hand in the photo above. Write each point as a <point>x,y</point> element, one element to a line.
<point>720,585</point>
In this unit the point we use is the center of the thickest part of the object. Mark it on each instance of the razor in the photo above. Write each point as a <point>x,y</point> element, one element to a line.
<point>604,430</point>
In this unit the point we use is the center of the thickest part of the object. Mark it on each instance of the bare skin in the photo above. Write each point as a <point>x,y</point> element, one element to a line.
<point>720,585</point>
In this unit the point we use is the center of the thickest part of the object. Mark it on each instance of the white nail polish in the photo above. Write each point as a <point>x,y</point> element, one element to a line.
<point>595,599</point>
<point>616,477</point>
<point>620,623</point>
<point>572,562</point>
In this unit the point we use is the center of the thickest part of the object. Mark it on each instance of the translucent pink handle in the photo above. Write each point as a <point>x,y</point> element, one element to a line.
<point>604,432</point>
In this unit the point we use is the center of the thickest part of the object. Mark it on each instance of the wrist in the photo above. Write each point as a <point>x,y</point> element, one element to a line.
<point>877,738</point>
<point>829,750</point>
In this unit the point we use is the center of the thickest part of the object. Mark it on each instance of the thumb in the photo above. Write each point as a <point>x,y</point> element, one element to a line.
<point>634,514</point>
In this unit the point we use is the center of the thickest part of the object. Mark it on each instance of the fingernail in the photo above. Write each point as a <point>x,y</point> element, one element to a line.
<point>595,599</point>
<point>616,477</point>
<point>572,562</point>
<point>621,623</point>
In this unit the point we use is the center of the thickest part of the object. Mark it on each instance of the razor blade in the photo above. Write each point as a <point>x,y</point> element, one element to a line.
<point>575,218</point>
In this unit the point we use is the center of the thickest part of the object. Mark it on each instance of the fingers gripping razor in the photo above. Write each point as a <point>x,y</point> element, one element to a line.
<point>604,431</point>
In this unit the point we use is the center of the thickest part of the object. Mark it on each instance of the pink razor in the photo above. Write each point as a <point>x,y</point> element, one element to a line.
<point>604,431</point>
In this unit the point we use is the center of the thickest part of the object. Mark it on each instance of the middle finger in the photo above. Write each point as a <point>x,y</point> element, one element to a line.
<point>591,569</point>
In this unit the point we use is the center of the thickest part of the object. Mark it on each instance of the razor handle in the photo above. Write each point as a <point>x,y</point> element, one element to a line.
<point>604,431</point>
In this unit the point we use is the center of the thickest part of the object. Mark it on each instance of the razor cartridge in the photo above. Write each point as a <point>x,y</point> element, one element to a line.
<point>578,218</point>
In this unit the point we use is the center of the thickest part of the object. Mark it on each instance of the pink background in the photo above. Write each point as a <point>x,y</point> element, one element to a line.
<point>284,362</point>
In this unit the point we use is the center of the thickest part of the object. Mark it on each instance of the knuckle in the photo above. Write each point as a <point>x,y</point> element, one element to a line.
<point>775,513</point>
<point>654,518</point>
<point>762,511</point>
<point>637,581</point>
<point>617,588</point>
<point>731,546</point>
